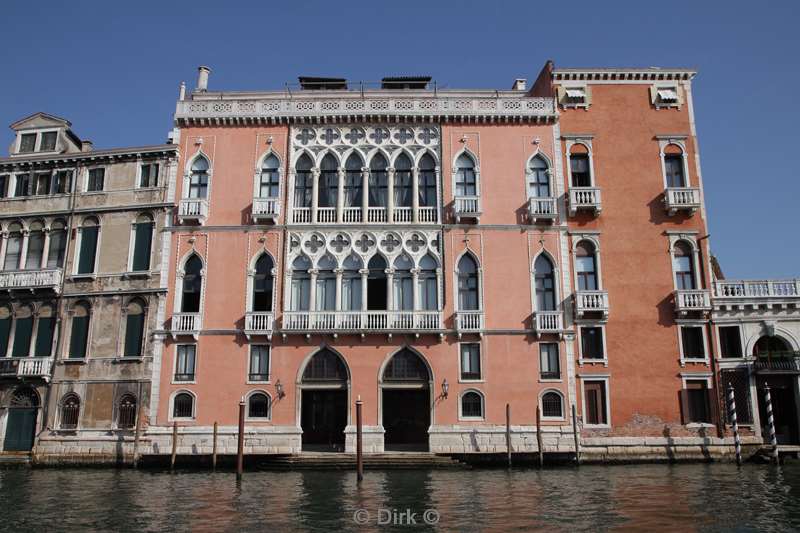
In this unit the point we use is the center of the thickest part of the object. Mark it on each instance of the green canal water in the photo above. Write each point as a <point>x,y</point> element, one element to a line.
<point>644,497</point>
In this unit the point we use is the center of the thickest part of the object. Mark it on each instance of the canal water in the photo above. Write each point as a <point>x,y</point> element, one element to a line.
<point>713,497</point>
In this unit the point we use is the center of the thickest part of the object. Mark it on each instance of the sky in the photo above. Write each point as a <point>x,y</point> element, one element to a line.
<point>113,69</point>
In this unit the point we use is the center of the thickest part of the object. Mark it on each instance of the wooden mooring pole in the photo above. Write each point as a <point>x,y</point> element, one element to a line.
<point>174,445</point>
<point>539,435</point>
<point>734,425</point>
<point>240,443</point>
<point>575,435</point>
<point>508,434</point>
<point>359,443</point>
<point>773,439</point>
<point>214,448</point>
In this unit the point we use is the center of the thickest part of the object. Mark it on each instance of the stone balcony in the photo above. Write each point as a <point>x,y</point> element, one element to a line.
<point>695,300</point>
<point>362,321</point>
<point>259,323</point>
<point>26,367</point>
<point>469,321</point>
<point>186,324</point>
<point>193,210</point>
<point>681,199</point>
<point>360,215</point>
<point>467,207</point>
<point>266,209</point>
<point>755,293</point>
<point>48,279</point>
<point>591,302</point>
<point>585,199</point>
<point>548,322</point>
<point>542,209</point>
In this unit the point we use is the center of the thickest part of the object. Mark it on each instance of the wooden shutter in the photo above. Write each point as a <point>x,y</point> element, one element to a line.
<point>683,398</point>
<point>5,331</point>
<point>78,337</point>
<point>141,247</point>
<point>22,337</point>
<point>44,337</point>
<point>133,335</point>
<point>88,250</point>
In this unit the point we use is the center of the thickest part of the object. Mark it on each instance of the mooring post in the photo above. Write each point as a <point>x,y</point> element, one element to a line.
<point>240,444</point>
<point>539,435</point>
<point>773,438</point>
<point>174,445</point>
<point>136,438</point>
<point>734,425</point>
<point>214,448</point>
<point>508,434</point>
<point>575,435</point>
<point>359,443</point>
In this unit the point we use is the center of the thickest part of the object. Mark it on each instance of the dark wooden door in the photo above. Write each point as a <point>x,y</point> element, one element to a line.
<point>20,429</point>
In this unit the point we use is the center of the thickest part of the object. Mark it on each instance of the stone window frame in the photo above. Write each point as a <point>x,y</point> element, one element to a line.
<point>187,176</point>
<point>665,141</point>
<point>171,412</point>
<point>252,392</point>
<point>132,245</point>
<point>585,140</point>
<point>140,162</point>
<point>179,275</point>
<point>60,412</point>
<point>250,285</point>
<point>557,289</point>
<point>594,240</point>
<point>655,99</point>
<point>718,341</point>
<point>172,379</point>
<point>551,174</point>
<point>706,360</point>
<point>116,410</point>
<point>76,255</point>
<point>708,377</point>
<point>563,416</point>
<point>123,328</point>
<point>691,240</point>
<point>561,365</point>
<point>249,355</point>
<point>65,355</point>
<point>37,145</point>
<point>257,174</point>
<point>479,273</point>
<point>561,94</point>
<point>605,379</point>
<point>85,178</point>
<point>454,169</point>
<point>481,395</point>
<point>482,359</point>
<point>591,324</point>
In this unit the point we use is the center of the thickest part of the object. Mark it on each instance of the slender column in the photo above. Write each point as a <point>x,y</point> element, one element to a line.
<point>34,333</point>
<point>340,196</point>
<point>338,303</point>
<point>389,287</point>
<point>4,245</point>
<point>364,274</point>
<point>415,299</point>
<point>364,193</point>
<point>24,252</point>
<point>314,192</point>
<point>390,199</point>
<point>415,195</point>
<point>46,251</point>
<point>312,291</point>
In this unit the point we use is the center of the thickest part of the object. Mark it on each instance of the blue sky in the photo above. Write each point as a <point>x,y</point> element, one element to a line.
<point>114,72</point>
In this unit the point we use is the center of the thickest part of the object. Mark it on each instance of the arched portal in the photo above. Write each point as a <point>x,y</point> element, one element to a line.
<point>406,387</point>
<point>323,402</point>
<point>776,367</point>
<point>23,409</point>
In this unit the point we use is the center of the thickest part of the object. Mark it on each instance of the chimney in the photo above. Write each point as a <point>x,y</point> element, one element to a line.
<point>202,78</point>
<point>86,145</point>
<point>182,91</point>
<point>520,84</point>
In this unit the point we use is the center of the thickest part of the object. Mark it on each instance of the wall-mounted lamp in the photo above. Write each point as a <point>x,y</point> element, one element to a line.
<point>279,389</point>
<point>445,388</point>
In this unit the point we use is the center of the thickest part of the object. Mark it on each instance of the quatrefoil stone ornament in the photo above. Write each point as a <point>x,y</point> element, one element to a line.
<point>340,243</point>
<point>415,243</point>
<point>314,243</point>
<point>364,243</point>
<point>403,135</point>
<point>329,136</point>
<point>305,136</point>
<point>354,135</point>
<point>379,135</point>
<point>427,135</point>
<point>390,243</point>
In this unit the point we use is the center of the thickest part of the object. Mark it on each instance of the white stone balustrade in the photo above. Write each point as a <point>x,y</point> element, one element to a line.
<point>402,214</point>
<point>731,289</point>
<point>355,215</point>
<point>469,321</point>
<point>186,323</point>
<point>266,208</point>
<point>542,209</point>
<point>682,199</point>
<point>467,207</point>
<point>259,323</point>
<point>361,321</point>
<point>301,215</point>
<point>31,279</point>
<point>427,215</point>
<point>584,198</point>
<point>591,302</point>
<point>692,300</point>
<point>26,366</point>
<point>549,322</point>
<point>193,210</point>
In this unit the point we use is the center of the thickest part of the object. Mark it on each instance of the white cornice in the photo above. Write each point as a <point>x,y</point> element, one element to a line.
<point>616,75</point>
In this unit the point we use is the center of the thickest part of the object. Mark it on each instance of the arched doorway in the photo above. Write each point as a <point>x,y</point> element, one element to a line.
<point>323,402</point>
<point>21,422</point>
<point>406,402</point>
<point>775,367</point>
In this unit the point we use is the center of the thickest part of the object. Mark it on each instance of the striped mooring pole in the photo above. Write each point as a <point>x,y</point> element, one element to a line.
<point>773,439</point>
<point>734,425</point>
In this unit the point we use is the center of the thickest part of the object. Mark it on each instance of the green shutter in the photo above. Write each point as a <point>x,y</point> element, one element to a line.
<point>44,337</point>
<point>88,250</point>
<point>79,336</point>
<point>22,337</point>
<point>5,331</point>
<point>141,246</point>
<point>133,335</point>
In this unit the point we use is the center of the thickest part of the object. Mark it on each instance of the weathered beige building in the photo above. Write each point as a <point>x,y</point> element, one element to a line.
<point>83,286</point>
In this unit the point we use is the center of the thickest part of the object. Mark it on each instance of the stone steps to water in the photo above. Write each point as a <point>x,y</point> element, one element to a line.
<point>348,461</point>
<point>15,458</point>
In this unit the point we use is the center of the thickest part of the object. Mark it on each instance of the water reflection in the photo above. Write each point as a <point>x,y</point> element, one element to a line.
<point>685,497</point>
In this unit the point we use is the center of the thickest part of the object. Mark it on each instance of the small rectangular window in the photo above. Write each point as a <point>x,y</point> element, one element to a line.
<point>61,183</point>
<point>96,179</point>
<point>695,402</point>
<point>550,366</point>
<point>673,165</point>
<point>23,185</point>
<point>185,362</point>
<point>259,363</point>
<point>730,341</point>
<point>596,402</point>
<point>470,361</point>
<point>79,337</point>
<point>27,143</point>
<point>48,141</point>
<point>143,237</point>
<point>45,332</point>
<point>592,343</point>
<point>692,341</point>
<point>149,175</point>
<point>579,168</point>
<point>42,184</point>
<point>88,249</point>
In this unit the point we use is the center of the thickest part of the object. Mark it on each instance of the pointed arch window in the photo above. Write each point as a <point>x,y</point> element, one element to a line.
<point>303,181</point>
<point>142,243</point>
<point>683,265</point>
<point>328,190</point>
<point>538,178</point>
<point>378,181</point>
<point>427,181</point>
<point>429,284</point>
<point>126,412</point>
<point>353,181</point>
<point>326,285</point>
<point>545,284</point>
<point>468,284</point>
<point>325,365</point>
<point>351,284</point>
<point>35,254</point>
<point>192,285</point>
<point>89,233</point>
<point>406,365</point>
<point>263,284</point>
<point>70,411</point>
<point>23,330</point>
<point>402,181</point>
<point>58,244</point>
<point>134,328</point>
<point>45,331</point>
<point>300,298</point>
<point>466,178</point>
<point>79,333</point>
<point>403,284</point>
<point>198,178</point>
<point>586,266</point>
<point>13,258</point>
<point>269,179</point>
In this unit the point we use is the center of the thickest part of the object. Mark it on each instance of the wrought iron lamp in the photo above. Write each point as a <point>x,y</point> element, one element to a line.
<point>279,389</point>
<point>445,388</point>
